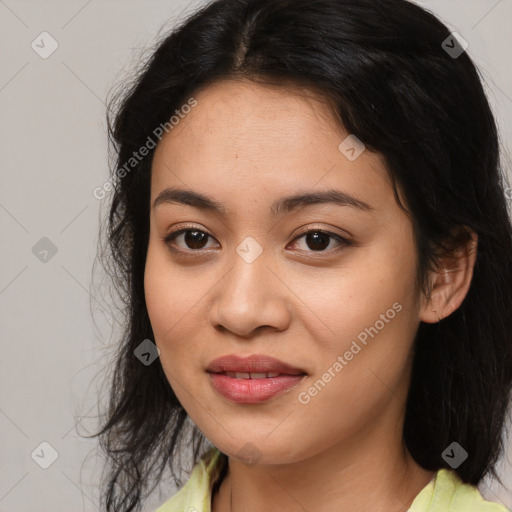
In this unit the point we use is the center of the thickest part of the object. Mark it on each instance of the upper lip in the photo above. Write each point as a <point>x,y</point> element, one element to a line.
<point>255,363</point>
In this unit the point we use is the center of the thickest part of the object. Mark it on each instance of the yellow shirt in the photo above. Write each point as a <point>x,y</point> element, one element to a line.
<point>444,493</point>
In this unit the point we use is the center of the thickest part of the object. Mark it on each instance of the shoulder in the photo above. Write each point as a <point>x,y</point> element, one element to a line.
<point>195,495</point>
<point>447,493</point>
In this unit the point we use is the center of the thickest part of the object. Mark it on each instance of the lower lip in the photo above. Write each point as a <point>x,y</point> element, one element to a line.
<point>252,391</point>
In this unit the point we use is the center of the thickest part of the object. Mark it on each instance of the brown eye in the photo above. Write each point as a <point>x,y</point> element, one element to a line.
<point>318,241</point>
<point>194,239</point>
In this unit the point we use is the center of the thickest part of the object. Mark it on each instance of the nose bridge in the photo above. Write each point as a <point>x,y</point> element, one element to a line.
<point>250,296</point>
<point>247,283</point>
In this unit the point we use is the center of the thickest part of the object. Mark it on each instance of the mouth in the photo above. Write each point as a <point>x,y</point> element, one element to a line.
<point>255,375</point>
<point>243,390</point>
<point>253,379</point>
<point>256,366</point>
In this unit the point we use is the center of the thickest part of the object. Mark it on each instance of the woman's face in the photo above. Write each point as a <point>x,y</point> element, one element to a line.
<point>245,279</point>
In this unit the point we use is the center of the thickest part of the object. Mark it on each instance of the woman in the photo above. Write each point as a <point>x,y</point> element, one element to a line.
<point>310,232</point>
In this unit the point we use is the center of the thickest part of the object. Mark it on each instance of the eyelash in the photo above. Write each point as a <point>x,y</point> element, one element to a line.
<point>170,237</point>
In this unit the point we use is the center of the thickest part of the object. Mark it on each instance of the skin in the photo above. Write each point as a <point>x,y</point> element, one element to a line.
<point>245,146</point>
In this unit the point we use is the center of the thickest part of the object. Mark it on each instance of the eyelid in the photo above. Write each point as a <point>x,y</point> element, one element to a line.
<point>343,241</point>
<point>180,229</point>
<point>328,231</point>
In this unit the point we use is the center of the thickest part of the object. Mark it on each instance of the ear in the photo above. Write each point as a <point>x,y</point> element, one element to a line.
<point>450,282</point>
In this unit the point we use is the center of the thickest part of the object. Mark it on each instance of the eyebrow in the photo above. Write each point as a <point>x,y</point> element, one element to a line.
<point>283,205</point>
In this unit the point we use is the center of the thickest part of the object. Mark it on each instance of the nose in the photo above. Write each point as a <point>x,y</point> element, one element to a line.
<point>249,297</point>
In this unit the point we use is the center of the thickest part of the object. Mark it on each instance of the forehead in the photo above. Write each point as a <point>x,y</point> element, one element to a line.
<point>245,114</point>
<point>245,139</point>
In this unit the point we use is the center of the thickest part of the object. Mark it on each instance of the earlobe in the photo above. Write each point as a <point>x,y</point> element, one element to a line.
<point>450,283</point>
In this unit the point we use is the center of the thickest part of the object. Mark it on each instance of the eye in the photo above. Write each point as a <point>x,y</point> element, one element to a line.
<point>193,238</point>
<point>318,240</point>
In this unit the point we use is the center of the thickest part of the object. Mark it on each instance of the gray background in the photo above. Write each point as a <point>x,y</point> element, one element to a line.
<point>54,153</point>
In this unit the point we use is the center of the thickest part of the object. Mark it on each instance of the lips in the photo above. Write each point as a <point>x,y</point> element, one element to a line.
<point>255,366</point>
<point>253,391</point>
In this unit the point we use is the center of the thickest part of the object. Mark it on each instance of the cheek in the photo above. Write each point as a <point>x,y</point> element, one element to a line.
<point>365,313</point>
<point>156,292</point>
<point>165,311</point>
<point>337,305</point>
<point>166,303</point>
<point>173,300</point>
<point>169,293</point>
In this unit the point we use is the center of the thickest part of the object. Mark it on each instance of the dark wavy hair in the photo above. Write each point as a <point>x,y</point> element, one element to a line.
<point>386,72</point>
